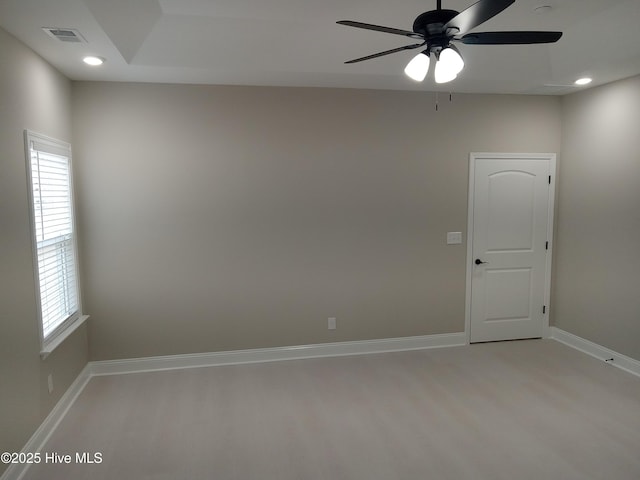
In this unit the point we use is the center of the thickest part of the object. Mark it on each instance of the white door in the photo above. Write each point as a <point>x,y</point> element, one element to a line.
<point>511,199</point>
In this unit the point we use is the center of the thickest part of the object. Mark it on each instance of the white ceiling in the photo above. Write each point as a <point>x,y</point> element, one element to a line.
<point>298,43</point>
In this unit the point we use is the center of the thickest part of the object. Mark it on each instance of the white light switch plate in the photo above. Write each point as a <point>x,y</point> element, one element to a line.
<point>454,238</point>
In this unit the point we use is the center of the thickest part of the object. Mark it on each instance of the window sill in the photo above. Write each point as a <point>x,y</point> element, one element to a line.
<point>53,344</point>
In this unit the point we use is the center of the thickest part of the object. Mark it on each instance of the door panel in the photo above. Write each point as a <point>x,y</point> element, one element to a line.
<point>510,219</point>
<point>510,214</point>
<point>507,294</point>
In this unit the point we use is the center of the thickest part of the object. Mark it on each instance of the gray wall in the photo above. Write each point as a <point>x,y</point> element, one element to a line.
<point>217,218</point>
<point>35,96</point>
<point>597,286</point>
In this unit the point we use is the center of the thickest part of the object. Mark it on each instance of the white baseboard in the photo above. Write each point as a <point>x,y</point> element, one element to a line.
<point>39,438</point>
<point>260,355</point>
<point>114,367</point>
<point>598,351</point>
<point>171,362</point>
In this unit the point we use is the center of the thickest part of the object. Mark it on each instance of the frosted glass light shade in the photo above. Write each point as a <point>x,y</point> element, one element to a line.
<point>418,67</point>
<point>452,60</point>
<point>442,75</point>
<point>448,66</point>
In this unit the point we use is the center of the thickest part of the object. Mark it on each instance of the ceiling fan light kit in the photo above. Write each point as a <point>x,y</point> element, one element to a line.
<point>449,65</point>
<point>439,29</point>
<point>418,66</point>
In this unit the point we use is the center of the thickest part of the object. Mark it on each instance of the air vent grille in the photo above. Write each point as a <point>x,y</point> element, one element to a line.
<point>67,35</point>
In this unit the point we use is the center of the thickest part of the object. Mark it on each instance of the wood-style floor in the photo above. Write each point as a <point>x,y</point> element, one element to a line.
<point>513,410</point>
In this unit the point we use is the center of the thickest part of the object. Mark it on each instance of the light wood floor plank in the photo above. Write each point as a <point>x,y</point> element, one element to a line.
<point>511,410</point>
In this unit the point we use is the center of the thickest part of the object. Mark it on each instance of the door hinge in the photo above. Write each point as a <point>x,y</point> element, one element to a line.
<point>546,245</point>
<point>549,179</point>
<point>544,309</point>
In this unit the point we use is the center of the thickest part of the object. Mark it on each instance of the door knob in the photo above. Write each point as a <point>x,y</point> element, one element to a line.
<point>479,262</point>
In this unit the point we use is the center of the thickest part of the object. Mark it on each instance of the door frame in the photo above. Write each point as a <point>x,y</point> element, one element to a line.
<point>473,157</point>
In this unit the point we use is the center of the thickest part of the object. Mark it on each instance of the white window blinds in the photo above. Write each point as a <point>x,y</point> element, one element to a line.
<point>54,242</point>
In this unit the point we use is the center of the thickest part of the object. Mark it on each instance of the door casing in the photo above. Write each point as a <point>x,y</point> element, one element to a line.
<point>473,157</point>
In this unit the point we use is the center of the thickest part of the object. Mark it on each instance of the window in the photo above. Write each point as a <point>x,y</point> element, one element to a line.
<point>54,238</point>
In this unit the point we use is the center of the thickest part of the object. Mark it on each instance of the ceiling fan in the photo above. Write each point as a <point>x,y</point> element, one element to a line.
<point>438,29</point>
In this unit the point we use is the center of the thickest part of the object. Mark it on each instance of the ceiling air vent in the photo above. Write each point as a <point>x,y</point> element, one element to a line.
<point>68,35</point>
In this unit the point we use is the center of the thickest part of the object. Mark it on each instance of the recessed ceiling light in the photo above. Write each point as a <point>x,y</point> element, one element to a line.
<point>93,61</point>
<point>583,81</point>
<point>542,9</point>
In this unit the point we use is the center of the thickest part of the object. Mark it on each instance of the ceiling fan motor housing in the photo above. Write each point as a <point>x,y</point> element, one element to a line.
<point>431,24</point>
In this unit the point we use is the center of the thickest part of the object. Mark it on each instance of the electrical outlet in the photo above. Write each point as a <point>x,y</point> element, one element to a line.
<point>331,323</point>
<point>50,383</point>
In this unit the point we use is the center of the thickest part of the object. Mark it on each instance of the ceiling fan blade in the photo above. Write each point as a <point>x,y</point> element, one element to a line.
<point>378,28</point>
<point>476,14</point>
<point>510,38</point>
<point>386,52</point>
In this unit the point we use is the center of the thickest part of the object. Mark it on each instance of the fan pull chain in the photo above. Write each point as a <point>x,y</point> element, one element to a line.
<point>437,105</point>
